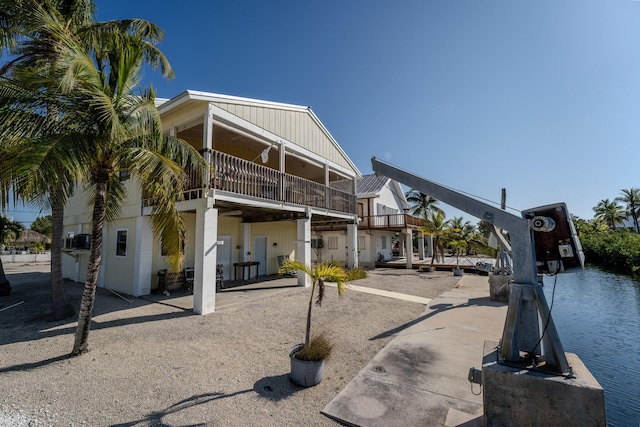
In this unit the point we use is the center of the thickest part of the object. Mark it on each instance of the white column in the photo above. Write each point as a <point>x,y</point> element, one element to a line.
<point>303,253</point>
<point>207,134</point>
<point>143,250</point>
<point>246,242</point>
<point>430,246</point>
<point>206,254</point>
<point>421,246</point>
<point>409,248</point>
<point>352,245</point>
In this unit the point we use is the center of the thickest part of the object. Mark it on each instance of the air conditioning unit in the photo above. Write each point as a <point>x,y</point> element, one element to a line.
<point>316,243</point>
<point>67,243</point>
<point>82,241</point>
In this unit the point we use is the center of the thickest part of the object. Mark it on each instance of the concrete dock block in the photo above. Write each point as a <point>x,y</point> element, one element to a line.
<point>517,397</point>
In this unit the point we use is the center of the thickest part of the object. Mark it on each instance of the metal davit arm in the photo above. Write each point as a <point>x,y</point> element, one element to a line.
<point>528,311</point>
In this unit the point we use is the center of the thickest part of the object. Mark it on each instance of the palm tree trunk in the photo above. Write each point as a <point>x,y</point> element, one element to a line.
<point>5,287</point>
<point>89,293</point>
<point>307,334</point>
<point>60,307</point>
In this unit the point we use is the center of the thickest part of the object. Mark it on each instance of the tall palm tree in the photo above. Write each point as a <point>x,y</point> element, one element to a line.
<point>422,203</point>
<point>436,227</point>
<point>609,211</point>
<point>125,134</point>
<point>631,199</point>
<point>97,73</point>
<point>23,38</point>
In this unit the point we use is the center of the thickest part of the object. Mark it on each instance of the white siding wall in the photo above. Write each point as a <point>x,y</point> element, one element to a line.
<point>283,233</point>
<point>118,276</point>
<point>295,126</point>
<point>387,203</point>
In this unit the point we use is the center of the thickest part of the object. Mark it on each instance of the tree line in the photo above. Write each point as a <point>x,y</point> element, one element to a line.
<point>605,238</point>
<point>456,234</point>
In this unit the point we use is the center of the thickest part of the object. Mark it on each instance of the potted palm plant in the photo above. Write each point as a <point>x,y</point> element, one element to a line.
<point>457,246</point>
<point>307,360</point>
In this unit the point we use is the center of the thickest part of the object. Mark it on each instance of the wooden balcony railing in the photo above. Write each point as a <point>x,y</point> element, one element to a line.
<point>239,176</point>
<point>391,221</point>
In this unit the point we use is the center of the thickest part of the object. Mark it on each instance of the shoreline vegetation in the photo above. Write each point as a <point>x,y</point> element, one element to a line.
<point>618,250</point>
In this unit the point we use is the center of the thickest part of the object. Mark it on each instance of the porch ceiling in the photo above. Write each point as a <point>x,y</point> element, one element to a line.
<point>262,214</point>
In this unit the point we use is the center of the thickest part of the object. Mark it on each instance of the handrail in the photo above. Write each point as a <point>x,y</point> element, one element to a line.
<point>391,221</point>
<point>235,175</point>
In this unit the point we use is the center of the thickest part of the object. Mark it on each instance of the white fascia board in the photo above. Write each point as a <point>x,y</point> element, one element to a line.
<point>400,193</point>
<point>174,102</point>
<point>215,97</point>
<point>368,196</point>
<point>333,214</point>
<point>263,135</point>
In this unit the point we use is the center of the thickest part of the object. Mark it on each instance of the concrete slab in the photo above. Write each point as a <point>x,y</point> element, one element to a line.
<point>420,377</point>
<point>229,297</point>
<point>388,294</point>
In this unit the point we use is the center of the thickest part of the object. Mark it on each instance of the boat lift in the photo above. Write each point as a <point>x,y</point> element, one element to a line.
<point>544,240</point>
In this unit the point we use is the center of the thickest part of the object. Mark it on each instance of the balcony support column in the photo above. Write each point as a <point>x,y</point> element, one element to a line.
<point>421,246</point>
<point>246,241</point>
<point>303,252</point>
<point>429,246</point>
<point>408,243</point>
<point>205,258</point>
<point>352,245</point>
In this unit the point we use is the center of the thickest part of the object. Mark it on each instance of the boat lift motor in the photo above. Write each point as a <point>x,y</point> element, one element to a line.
<point>543,240</point>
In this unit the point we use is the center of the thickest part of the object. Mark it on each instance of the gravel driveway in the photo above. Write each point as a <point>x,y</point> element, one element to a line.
<point>151,364</point>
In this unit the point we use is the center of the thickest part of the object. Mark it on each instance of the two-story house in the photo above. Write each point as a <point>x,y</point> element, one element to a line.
<point>277,173</point>
<point>382,221</point>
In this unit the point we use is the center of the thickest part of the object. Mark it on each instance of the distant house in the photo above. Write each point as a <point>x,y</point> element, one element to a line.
<point>382,222</point>
<point>278,174</point>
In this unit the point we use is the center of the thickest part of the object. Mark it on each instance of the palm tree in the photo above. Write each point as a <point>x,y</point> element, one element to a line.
<point>631,199</point>
<point>611,212</point>
<point>422,203</point>
<point>326,271</point>
<point>114,129</point>
<point>126,136</point>
<point>23,39</point>
<point>436,227</point>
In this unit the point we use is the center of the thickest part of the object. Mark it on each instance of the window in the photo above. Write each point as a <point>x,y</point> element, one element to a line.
<point>383,242</point>
<point>121,243</point>
<point>332,242</point>
<point>361,243</point>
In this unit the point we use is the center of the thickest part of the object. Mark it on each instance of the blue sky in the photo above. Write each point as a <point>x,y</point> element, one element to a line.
<point>541,98</point>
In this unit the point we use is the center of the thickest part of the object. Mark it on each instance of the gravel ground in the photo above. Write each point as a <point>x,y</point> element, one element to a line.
<point>151,364</point>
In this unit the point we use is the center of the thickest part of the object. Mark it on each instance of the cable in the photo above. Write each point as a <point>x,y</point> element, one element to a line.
<point>530,355</point>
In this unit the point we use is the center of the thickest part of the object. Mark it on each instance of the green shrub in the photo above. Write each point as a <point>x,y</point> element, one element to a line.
<point>618,249</point>
<point>356,274</point>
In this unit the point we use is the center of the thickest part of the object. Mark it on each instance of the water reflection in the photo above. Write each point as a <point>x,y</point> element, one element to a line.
<point>597,314</point>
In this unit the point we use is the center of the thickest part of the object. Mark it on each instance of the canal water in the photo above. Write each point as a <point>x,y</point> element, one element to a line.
<point>597,315</point>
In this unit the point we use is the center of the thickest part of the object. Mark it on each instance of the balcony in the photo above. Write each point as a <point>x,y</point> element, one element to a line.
<point>238,176</point>
<point>391,222</point>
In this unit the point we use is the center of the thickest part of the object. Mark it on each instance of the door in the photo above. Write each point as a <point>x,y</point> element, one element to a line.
<point>224,255</point>
<point>260,253</point>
